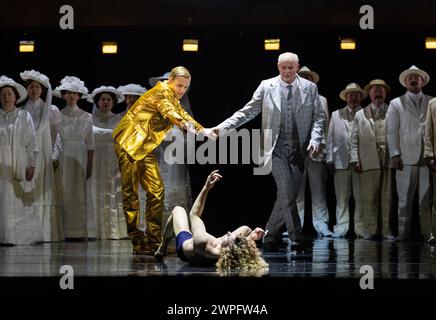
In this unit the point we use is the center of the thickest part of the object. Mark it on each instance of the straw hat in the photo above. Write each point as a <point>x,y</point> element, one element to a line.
<point>73,84</point>
<point>313,74</point>
<point>414,70</point>
<point>118,94</point>
<point>352,87</point>
<point>22,92</point>
<point>377,82</point>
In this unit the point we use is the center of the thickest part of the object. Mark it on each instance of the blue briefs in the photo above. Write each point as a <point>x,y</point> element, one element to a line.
<point>180,239</point>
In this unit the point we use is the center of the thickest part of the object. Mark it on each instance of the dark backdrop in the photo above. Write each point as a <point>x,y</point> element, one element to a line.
<point>227,69</point>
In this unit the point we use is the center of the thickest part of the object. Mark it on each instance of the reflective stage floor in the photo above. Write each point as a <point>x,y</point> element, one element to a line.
<point>331,270</point>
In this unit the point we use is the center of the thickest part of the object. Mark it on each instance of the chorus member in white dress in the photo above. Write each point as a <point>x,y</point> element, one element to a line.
<point>131,93</point>
<point>76,157</point>
<point>46,118</point>
<point>18,153</point>
<point>106,188</point>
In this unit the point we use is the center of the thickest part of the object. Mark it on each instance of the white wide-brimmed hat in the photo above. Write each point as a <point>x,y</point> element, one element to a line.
<point>377,82</point>
<point>153,80</point>
<point>73,84</point>
<point>132,89</point>
<point>414,70</point>
<point>118,94</point>
<point>313,74</point>
<point>352,87</point>
<point>22,92</point>
<point>36,76</point>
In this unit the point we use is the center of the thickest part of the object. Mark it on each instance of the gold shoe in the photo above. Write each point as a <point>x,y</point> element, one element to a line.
<point>145,248</point>
<point>171,250</point>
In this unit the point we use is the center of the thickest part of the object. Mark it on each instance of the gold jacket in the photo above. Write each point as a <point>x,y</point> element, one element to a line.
<point>148,121</point>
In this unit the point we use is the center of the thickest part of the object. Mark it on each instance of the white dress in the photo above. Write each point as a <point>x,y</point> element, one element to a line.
<point>106,180</point>
<point>18,223</point>
<point>76,139</point>
<point>177,183</point>
<point>45,206</point>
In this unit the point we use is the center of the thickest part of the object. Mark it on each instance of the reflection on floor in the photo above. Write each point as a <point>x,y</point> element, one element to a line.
<point>330,270</point>
<point>338,258</point>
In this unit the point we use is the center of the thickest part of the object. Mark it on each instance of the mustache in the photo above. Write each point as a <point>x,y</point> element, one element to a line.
<point>379,97</point>
<point>414,83</point>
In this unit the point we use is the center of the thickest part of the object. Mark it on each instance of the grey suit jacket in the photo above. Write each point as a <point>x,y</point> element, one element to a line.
<point>266,99</point>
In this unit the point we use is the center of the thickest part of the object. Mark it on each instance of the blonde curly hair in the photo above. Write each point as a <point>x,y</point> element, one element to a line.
<point>241,255</point>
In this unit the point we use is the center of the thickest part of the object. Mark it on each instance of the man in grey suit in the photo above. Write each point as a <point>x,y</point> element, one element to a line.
<point>293,123</point>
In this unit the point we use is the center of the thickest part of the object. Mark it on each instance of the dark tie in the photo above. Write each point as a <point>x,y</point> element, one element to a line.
<point>289,98</point>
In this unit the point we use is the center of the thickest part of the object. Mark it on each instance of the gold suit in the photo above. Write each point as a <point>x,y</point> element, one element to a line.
<point>139,132</point>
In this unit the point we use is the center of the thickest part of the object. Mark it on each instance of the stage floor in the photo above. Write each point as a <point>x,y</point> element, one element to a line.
<point>333,258</point>
<point>330,272</point>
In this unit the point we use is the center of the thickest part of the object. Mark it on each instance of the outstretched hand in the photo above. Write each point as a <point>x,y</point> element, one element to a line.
<point>213,178</point>
<point>216,130</point>
<point>189,127</point>
<point>210,133</point>
<point>257,234</point>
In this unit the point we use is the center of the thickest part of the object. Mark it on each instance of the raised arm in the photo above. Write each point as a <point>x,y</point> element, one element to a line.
<point>212,179</point>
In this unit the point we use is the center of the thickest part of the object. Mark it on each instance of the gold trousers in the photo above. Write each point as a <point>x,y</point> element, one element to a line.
<point>146,172</point>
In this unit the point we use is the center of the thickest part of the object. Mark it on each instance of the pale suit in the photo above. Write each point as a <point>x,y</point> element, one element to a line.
<point>346,180</point>
<point>369,150</point>
<point>305,110</point>
<point>430,151</point>
<point>315,171</point>
<point>405,130</point>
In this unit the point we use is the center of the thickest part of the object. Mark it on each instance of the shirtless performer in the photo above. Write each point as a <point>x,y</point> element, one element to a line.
<point>195,245</point>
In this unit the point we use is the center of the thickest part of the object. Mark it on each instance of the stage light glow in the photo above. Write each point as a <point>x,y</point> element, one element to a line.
<point>190,45</point>
<point>26,46</point>
<point>272,44</point>
<point>348,44</point>
<point>109,47</point>
<point>430,43</point>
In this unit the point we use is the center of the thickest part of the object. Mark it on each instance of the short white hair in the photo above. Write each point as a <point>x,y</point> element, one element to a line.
<point>288,56</point>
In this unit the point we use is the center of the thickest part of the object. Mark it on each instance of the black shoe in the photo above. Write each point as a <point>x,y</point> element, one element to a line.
<point>282,243</point>
<point>270,247</point>
<point>298,246</point>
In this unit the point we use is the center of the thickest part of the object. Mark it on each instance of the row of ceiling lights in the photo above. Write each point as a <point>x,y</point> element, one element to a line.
<point>191,45</point>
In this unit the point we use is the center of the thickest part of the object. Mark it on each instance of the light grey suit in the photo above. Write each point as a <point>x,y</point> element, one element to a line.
<point>310,120</point>
<point>405,136</point>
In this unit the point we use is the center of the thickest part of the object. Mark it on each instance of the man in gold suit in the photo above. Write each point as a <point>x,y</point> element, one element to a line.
<point>139,132</point>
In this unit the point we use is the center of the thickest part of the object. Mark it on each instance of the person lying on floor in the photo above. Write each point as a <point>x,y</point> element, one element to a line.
<point>235,250</point>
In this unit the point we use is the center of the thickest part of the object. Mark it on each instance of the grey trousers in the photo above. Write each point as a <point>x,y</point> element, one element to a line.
<point>315,172</point>
<point>410,179</point>
<point>286,170</point>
